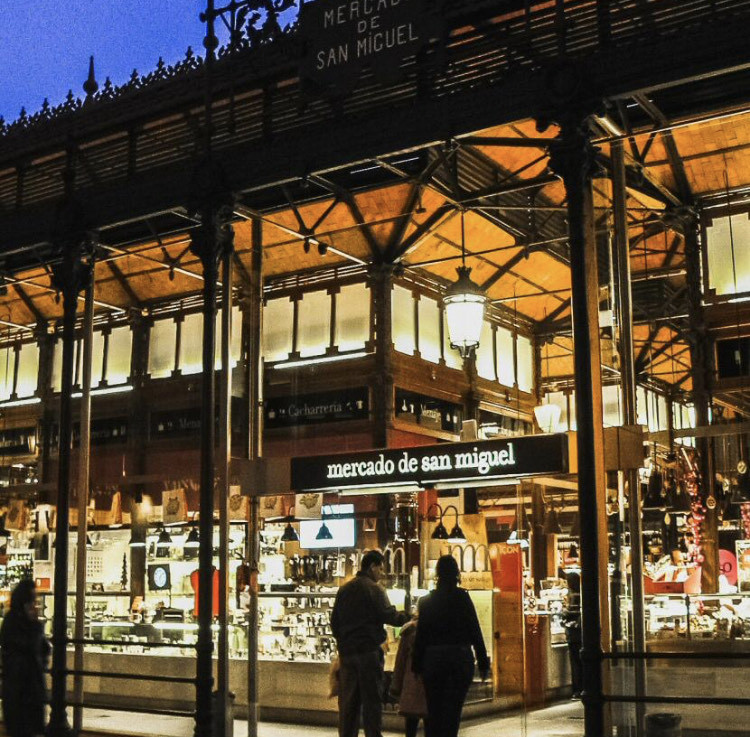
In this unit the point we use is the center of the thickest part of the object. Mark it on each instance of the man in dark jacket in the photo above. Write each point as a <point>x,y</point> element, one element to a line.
<point>359,613</point>
<point>24,652</point>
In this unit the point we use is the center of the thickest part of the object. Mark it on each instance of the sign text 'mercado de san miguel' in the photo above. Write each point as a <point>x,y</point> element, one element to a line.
<point>426,465</point>
<point>343,36</point>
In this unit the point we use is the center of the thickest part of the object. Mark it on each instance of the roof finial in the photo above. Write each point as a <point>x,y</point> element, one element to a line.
<point>90,86</point>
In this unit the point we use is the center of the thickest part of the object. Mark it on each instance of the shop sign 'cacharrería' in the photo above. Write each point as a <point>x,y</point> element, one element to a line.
<point>434,464</point>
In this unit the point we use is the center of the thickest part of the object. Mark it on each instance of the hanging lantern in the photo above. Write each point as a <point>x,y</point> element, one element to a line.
<point>464,307</point>
<point>655,497</point>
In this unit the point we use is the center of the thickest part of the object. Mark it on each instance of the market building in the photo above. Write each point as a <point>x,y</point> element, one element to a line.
<point>469,279</point>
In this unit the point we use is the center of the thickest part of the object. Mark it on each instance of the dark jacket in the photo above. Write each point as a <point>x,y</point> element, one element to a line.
<point>24,654</point>
<point>571,617</point>
<point>447,617</point>
<point>359,613</point>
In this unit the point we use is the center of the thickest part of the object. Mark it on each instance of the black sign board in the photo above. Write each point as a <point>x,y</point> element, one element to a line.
<point>178,423</point>
<point>308,409</point>
<point>342,37</point>
<point>429,465</point>
<point>17,441</point>
<point>104,431</point>
<point>435,414</point>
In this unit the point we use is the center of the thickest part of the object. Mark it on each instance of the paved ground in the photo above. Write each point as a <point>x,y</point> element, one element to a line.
<point>560,720</point>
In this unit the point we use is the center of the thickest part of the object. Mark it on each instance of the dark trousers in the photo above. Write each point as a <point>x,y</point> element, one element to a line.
<point>411,726</point>
<point>576,666</point>
<point>447,674</point>
<point>361,692</point>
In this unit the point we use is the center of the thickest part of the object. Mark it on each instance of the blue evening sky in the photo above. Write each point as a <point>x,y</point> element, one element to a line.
<point>45,44</point>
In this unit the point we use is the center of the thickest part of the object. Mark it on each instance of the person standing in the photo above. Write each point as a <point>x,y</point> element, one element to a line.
<point>407,687</point>
<point>24,654</point>
<point>572,622</point>
<point>448,630</point>
<point>360,611</point>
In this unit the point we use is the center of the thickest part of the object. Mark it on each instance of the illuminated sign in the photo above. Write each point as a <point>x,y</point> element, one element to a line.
<point>434,464</point>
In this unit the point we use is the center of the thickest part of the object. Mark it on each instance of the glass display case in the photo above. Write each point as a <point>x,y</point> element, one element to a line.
<point>698,616</point>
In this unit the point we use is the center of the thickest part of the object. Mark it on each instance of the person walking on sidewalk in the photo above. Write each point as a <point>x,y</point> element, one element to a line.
<point>359,613</point>
<point>448,630</point>
<point>24,654</point>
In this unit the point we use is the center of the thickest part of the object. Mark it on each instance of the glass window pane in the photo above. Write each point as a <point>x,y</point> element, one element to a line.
<point>278,318</point>
<point>452,356</point>
<point>352,317</point>
<point>97,359</point>
<point>661,404</point>
<point>485,353</point>
<point>57,366</point>
<point>191,344</point>
<point>28,370</point>
<point>235,340</point>
<point>402,310</point>
<point>314,327</point>
<point>611,400</point>
<point>162,346</point>
<point>7,367</point>
<point>721,265</point>
<point>641,406</point>
<point>505,373</point>
<point>525,364</point>
<point>573,423</point>
<point>118,358</point>
<point>429,329</point>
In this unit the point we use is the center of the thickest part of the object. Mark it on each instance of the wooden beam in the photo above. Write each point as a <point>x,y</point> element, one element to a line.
<point>30,306</point>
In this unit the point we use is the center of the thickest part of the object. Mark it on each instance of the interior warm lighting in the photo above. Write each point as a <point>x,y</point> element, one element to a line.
<point>21,402</point>
<point>105,390</point>
<point>321,359</point>
<point>547,417</point>
<point>464,307</point>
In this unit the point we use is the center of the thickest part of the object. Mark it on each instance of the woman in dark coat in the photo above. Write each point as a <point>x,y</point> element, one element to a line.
<point>572,621</point>
<point>448,630</point>
<point>24,654</point>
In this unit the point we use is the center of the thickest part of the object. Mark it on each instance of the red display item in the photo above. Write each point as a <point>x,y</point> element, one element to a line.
<point>196,589</point>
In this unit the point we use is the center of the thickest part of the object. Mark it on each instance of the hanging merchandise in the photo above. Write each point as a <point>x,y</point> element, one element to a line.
<point>174,506</point>
<point>697,508</point>
<point>745,512</point>
<point>17,518</point>
<point>239,504</point>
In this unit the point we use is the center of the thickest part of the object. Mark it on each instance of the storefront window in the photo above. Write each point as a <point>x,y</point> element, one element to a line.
<point>314,326</point>
<point>278,329</point>
<point>403,320</point>
<point>560,400</point>
<point>641,404</point>
<point>352,317</point>
<point>28,370</point>
<point>162,345</point>
<point>429,329</point>
<point>525,364</point>
<point>235,341</point>
<point>486,353</point>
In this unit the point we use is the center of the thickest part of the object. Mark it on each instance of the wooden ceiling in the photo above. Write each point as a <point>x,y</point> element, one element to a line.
<point>514,236</point>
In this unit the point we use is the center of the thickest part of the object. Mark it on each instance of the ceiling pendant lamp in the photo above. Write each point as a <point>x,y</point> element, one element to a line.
<point>464,306</point>
<point>192,541</point>
<point>552,523</point>
<point>456,535</point>
<point>655,498</point>
<point>290,534</point>
<point>324,533</point>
